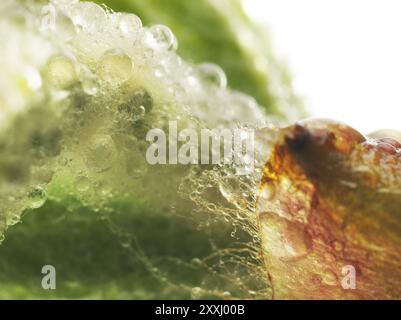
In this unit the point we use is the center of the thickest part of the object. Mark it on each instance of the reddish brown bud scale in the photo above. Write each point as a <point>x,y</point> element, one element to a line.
<point>334,201</point>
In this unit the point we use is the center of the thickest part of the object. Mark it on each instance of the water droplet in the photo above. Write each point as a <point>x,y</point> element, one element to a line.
<point>115,66</point>
<point>88,16</point>
<point>196,292</point>
<point>162,37</point>
<point>14,219</point>
<point>196,262</point>
<point>252,293</point>
<point>142,111</point>
<point>82,184</point>
<point>233,190</point>
<point>37,198</point>
<point>61,71</point>
<point>64,27</point>
<point>125,241</point>
<point>282,238</point>
<point>212,74</point>
<point>90,86</point>
<point>104,189</point>
<point>129,24</point>
<point>136,107</point>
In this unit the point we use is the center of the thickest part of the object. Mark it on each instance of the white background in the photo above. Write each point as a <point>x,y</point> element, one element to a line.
<point>344,55</point>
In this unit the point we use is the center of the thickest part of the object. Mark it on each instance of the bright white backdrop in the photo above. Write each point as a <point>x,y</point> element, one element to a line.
<point>344,55</point>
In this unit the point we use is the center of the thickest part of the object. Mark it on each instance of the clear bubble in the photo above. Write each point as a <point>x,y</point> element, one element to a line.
<point>61,71</point>
<point>162,37</point>
<point>196,292</point>
<point>125,241</point>
<point>252,293</point>
<point>135,108</point>
<point>64,27</point>
<point>115,66</point>
<point>282,238</point>
<point>89,16</point>
<point>37,198</point>
<point>141,98</point>
<point>212,74</point>
<point>90,86</point>
<point>196,262</point>
<point>13,220</point>
<point>104,189</point>
<point>129,24</point>
<point>234,191</point>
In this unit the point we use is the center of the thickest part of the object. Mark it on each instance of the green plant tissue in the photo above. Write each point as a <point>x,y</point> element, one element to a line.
<point>75,189</point>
